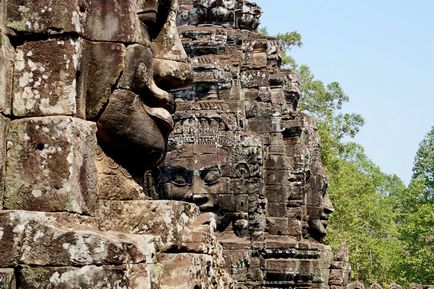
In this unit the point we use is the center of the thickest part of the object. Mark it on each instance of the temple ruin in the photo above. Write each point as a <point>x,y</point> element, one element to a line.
<point>104,184</point>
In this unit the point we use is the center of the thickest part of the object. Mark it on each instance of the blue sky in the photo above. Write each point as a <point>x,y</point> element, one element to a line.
<point>382,53</point>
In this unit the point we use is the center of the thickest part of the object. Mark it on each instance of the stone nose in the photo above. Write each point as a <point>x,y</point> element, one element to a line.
<point>328,205</point>
<point>198,188</point>
<point>171,65</point>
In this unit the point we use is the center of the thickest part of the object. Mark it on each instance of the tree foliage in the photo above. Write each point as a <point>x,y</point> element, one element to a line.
<point>415,207</point>
<point>424,166</point>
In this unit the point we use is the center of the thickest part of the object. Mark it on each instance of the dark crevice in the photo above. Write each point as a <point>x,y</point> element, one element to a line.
<point>21,38</point>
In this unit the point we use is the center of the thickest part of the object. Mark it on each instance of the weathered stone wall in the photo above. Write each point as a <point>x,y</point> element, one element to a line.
<point>242,151</point>
<point>82,116</point>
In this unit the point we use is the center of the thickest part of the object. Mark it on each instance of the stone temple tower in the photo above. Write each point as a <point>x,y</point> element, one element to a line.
<point>241,150</point>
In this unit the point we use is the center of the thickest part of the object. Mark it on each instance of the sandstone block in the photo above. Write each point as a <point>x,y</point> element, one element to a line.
<point>277,209</point>
<point>254,78</point>
<point>50,165</point>
<point>7,56</point>
<point>3,131</point>
<point>132,276</point>
<point>7,279</point>
<point>237,259</point>
<point>103,63</point>
<point>265,124</point>
<point>277,226</point>
<point>45,78</point>
<point>43,16</point>
<point>38,239</point>
<point>255,60</point>
<point>183,270</point>
<point>96,20</point>
<point>165,218</point>
<point>114,182</point>
<point>104,23</point>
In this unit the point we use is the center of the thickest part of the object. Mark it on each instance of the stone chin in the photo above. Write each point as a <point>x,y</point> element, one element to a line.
<point>317,229</point>
<point>134,136</point>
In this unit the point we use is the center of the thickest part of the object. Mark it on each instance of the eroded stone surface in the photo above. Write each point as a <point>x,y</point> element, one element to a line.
<point>39,239</point>
<point>45,78</point>
<point>3,131</point>
<point>185,271</point>
<point>84,86</point>
<point>50,165</point>
<point>134,276</point>
<point>242,151</point>
<point>43,16</point>
<point>7,279</point>
<point>7,55</point>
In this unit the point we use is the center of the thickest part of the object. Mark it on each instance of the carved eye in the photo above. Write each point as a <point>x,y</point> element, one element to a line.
<point>211,176</point>
<point>179,180</point>
<point>180,176</point>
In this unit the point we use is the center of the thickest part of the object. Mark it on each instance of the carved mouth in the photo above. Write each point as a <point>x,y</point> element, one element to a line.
<point>162,115</point>
<point>208,207</point>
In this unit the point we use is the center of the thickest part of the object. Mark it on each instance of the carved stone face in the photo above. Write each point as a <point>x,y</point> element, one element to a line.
<point>108,61</point>
<point>207,175</point>
<point>319,205</point>
<point>135,123</point>
<point>195,179</point>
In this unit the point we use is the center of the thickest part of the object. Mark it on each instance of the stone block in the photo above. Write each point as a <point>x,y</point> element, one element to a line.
<point>7,56</point>
<point>265,124</point>
<point>48,17</point>
<point>277,226</point>
<point>254,78</point>
<point>7,278</point>
<point>3,131</point>
<point>102,65</point>
<point>237,259</point>
<point>294,228</point>
<point>45,78</point>
<point>182,270</point>
<point>133,276</point>
<point>277,209</point>
<point>255,60</point>
<point>282,265</point>
<point>103,23</point>
<point>276,193</point>
<point>38,239</point>
<point>165,218</point>
<point>50,165</point>
<point>275,177</point>
<point>96,20</point>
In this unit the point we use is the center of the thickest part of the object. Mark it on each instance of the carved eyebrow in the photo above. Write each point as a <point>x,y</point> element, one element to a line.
<point>206,170</point>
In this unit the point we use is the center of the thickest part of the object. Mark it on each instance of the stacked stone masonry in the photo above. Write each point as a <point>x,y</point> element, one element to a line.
<point>239,201</point>
<point>84,113</point>
<point>241,150</point>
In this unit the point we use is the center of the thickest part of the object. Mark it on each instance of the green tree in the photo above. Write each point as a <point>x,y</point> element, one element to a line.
<point>424,165</point>
<point>415,207</point>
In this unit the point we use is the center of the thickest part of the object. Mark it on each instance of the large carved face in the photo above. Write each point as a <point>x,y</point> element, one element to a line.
<point>107,61</point>
<point>319,205</point>
<point>195,177</point>
<point>135,122</point>
<point>216,177</point>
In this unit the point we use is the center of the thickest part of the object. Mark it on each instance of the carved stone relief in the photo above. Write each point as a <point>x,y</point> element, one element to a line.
<point>85,111</point>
